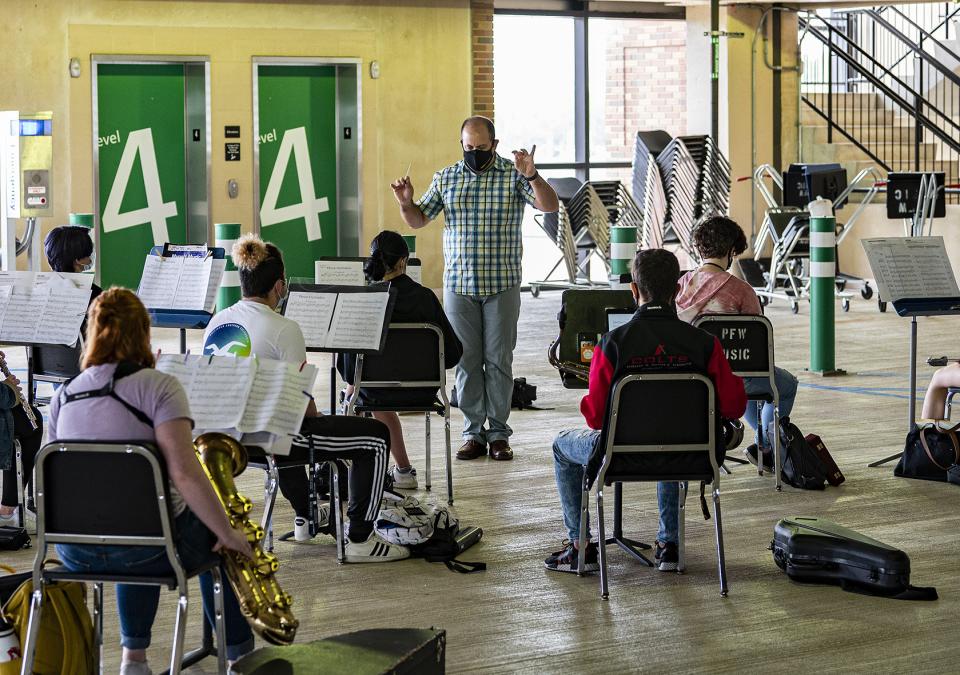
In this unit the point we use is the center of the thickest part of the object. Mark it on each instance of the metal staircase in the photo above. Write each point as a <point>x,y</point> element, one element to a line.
<point>881,86</point>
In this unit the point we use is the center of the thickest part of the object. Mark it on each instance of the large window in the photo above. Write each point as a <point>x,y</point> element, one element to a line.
<point>580,86</point>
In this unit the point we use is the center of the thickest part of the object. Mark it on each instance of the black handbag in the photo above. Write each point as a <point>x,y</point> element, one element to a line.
<point>929,453</point>
<point>13,538</point>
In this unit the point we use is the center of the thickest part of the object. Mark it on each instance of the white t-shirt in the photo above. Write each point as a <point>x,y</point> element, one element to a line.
<point>249,328</point>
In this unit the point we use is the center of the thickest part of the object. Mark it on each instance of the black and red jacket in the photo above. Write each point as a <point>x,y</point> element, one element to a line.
<point>656,341</point>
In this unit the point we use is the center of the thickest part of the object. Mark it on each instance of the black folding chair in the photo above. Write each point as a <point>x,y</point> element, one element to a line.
<point>747,340</point>
<point>113,494</point>
<point>273,464</point>
<point>51,364</point>
<point>413,358</point>
<point>660,427</point>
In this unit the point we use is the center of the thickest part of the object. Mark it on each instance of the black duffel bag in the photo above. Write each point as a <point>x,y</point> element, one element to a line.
<point>929,453</point>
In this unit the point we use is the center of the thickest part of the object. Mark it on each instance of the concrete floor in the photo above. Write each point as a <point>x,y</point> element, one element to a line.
<point>515,617</point>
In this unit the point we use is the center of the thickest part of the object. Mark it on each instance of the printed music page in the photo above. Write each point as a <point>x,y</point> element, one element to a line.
<point>181,367</point>
<point>217,268</point>
<point>312,311</point>
<point>20,315</point>
<point>191,292</point>
<point>63,315</point>
<point>217,387</point>
<point>339,273</point>
<point>74,280</point>
<point>911,267</point>
<point>358,321</point>
<point>279,397</point>
<point>415,272</point>
<point>158,284</point>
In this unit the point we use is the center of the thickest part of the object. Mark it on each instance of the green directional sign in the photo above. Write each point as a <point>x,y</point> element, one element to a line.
<point>142,180</point>
<point>296,136</point>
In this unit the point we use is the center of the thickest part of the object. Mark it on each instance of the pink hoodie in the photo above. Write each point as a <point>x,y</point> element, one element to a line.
<point>714,293</point>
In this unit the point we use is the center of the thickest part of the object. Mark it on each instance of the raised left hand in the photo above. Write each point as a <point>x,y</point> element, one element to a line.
<point>523,161</point>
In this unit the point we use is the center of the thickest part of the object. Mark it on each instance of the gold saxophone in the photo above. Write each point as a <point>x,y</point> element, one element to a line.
<point>579,370</point>
<point>261,599</point>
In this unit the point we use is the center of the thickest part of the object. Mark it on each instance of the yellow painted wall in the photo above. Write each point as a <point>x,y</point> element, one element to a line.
<point>411,113</point>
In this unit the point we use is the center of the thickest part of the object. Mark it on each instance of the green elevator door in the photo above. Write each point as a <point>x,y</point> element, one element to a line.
<point>297,162</point>
<point>143,158</point>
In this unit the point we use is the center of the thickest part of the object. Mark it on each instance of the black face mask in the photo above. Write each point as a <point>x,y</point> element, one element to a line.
<point>478,161</point>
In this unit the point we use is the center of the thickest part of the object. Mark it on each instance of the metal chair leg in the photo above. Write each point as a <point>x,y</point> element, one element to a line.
<point>271,483</point>
<point>21,487</point>
<point>584,524</point>
<point>446,432</point>
<point>33,631</point>
<point>604,590</point>
<point>98,626</point>
<point>426,423</point>
<point>179,632</point>
<point>718,524</point>
<point>777,467</point>
<point>759,407</point>
<point>337,512</point>
<point>682,528</point>
<point>219,620</point>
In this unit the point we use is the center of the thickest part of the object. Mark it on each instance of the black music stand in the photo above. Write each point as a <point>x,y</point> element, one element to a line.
<point>333,349</point>
<point>583,318</point>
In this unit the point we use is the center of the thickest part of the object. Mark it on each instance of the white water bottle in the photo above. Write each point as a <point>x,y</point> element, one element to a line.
<point>9,644</point>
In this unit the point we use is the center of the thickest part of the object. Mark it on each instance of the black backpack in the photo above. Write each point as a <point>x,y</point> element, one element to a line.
<point>802,467</point>
<point>446,543</point>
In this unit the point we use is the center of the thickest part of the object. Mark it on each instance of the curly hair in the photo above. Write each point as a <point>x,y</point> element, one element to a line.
<point>259,265</point>
<point>717,237</point>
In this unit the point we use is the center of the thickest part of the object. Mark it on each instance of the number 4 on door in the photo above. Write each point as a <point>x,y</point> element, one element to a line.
<point>156,211</point>
<point>294,143</point>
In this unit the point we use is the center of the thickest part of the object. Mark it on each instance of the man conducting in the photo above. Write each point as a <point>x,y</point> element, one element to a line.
<point>482,198</point>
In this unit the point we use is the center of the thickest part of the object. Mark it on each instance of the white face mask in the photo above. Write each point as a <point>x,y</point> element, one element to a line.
<point>90,265</point>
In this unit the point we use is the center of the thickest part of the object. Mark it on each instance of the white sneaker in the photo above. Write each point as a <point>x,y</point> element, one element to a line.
<point>374,550</point>
<point>301,528</point>
<point>403,480</point>
<point>10,521</point>
<point>135,668</point>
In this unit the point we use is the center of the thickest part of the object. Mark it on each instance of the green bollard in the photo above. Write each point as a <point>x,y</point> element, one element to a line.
<point>229,292</point>
<point>81,219</point>
<point>823,268</point>
<point>623,249</point>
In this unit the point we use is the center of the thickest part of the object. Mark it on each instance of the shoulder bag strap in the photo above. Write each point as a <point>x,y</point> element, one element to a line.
<point>926,448</point>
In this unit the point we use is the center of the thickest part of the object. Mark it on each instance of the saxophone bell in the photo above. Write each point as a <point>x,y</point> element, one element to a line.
<point>265,605</point>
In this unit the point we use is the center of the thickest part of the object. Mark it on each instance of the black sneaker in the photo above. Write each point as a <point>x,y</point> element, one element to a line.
<point>566,560</point>
<point>751,453</point>
<point>666,556</point>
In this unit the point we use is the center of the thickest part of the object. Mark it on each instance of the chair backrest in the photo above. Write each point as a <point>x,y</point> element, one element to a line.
<point>747,341</point>
<point>102,493</point>
<point>661,413</point>
<point>413,356</point>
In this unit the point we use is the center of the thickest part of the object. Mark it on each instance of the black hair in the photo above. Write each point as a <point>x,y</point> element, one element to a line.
<point>67,244</point>
<point>480,119</point>
<point>386,251</point>
<point>717,237</point>
<point>259,265</point>
<point>656,272</point>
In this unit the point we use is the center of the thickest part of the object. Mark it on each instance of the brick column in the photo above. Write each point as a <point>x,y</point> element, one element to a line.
<point>481,41</point>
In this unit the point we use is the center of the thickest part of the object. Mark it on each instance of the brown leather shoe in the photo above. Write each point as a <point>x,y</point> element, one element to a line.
<point>501,450</point>
<point>471,450</point>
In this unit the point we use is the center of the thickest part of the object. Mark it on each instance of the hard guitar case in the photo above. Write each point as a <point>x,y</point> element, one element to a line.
<point>815,550</point>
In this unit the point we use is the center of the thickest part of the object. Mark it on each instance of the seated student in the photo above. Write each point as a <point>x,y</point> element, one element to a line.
<point>935,400</point>
<point>118,339</point>
<point>15,425</point>
<point>711,289</point>
<point>653,330</point>
<point>414,304</point>
<point>69,249</point>
<point>253,327</point>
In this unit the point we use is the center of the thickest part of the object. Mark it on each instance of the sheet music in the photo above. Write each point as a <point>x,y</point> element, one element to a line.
<point>217,268</point>
<point>312,311</point>
<point>339,272</point>
<point>911,267</point>
<point>21,312</point>
<point>277,401</point>
<point>191,291</point>
<point>182,368</point>
<point>219,391</point>
<point>358,321</point>
<point>63,315</point>
<point>415,272</point>
<point>158,284</point>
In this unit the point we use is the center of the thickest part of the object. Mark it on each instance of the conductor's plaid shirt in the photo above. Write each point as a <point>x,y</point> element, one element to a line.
<point>482,244</point>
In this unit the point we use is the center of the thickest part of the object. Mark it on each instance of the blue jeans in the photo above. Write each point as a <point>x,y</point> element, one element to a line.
<point>571,451</point>
<point>138,604</point>
<point>487,327</point>
<point>786,388</point>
